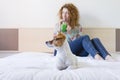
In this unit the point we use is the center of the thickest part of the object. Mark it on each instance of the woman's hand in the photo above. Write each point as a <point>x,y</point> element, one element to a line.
<point>63,25</point>
<point>68,29</point>
<point>61,21</point>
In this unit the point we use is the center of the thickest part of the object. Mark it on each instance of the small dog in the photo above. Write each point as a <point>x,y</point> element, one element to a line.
<point>65,59</point>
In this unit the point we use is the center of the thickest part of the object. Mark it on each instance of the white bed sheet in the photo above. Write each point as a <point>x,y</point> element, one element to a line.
<point>41,66</point>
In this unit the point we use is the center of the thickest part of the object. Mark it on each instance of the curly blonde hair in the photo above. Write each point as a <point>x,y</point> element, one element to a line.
<point>73,14</point>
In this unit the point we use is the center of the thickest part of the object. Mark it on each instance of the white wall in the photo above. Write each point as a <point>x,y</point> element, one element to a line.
<point>43,13</point>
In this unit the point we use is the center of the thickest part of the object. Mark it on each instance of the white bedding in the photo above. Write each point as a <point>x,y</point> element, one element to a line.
<point>41,66</point>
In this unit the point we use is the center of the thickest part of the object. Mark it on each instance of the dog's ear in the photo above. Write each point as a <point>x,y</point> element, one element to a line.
<point>59,32</point>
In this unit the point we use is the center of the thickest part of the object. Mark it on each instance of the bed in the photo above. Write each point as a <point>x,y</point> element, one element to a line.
<point>41,66</point>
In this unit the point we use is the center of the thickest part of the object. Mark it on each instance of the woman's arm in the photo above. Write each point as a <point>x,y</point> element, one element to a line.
<point>57,28</point>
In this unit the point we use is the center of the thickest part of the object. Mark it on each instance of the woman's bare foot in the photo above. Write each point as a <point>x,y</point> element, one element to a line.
<point>109,58</point>
<point>98,57</point>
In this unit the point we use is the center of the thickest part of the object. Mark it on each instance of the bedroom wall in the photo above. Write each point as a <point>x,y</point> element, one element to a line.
<point>43,13</point>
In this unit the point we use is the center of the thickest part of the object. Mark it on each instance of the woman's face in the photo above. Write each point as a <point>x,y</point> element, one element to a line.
<point>65,14</point>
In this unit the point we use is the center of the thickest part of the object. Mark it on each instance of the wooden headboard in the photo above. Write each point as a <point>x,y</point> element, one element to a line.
<point>33,39</point>
<point>8,39</point>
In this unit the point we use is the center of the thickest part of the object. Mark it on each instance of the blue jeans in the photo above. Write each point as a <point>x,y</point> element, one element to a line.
<point>83,46</point>
<point>99,47</point>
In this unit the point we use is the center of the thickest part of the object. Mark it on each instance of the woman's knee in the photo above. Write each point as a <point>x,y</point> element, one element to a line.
<point>95,40</point>
<point>86,36</point>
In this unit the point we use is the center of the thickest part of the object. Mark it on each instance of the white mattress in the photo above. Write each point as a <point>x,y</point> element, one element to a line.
<point>41,66</point>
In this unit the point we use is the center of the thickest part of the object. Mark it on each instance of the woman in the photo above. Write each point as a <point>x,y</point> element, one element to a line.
<point>80,45</point>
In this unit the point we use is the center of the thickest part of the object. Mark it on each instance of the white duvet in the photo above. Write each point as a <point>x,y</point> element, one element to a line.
<point>41,66</point>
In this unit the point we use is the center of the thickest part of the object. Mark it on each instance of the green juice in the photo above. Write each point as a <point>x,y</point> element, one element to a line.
<point>64,27</point>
